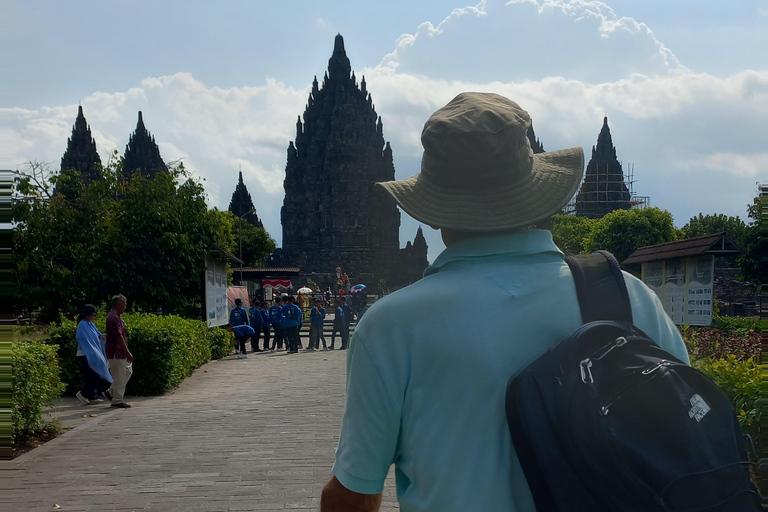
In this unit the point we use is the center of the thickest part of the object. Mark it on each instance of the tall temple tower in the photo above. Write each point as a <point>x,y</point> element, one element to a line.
<point>142,153</point>
<point>81,153</point>
<point>604,189</point>
<point>333,214</point>
<point>241,203</point>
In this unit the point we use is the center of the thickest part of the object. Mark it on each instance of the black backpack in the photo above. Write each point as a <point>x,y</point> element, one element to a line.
<point>607,421</point>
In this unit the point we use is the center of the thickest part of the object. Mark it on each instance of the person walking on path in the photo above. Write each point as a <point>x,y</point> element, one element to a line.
<point>292,323</point>
<point>242,333</point>
<point>238,315</point>
<point>264,325</point>
<point>416,397</point>
<point>316,318</point>
<point>338,324</point>
<point>345,326</point>
<point>254,318</point>
<point>92,358</point>
<point>276,321</point>
<point>119,358</point>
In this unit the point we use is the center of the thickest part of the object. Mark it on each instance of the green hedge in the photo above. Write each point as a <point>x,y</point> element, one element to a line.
<point>740,380</point>
<point>34,385</point>
<point>165,349</point>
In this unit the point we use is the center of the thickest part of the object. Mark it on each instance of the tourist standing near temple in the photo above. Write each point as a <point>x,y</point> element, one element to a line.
<point>444,425</point>
<point>316,318</point>
<point>238,315</point>
<point>338,323</point>
<point>276,321</point>
<point>119,358</point>
<point>264,323</point>
<point>254,317</point>
<point>292,319</point>
<point>345,326</point>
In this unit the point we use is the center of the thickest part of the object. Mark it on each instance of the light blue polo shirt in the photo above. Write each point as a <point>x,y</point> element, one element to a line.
<point>426,381</point>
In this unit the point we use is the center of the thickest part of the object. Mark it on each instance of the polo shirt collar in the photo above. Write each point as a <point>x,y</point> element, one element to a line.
<point>517,244</point>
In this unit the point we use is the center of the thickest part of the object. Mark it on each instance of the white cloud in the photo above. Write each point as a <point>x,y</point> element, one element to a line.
<point>743,166</point>
<point>697,141</point>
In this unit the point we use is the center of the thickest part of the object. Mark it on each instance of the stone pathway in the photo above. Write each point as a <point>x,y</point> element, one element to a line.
<point>251,434</point>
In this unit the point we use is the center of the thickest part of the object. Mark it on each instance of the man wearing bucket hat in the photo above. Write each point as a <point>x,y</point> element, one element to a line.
<point>422,393</point>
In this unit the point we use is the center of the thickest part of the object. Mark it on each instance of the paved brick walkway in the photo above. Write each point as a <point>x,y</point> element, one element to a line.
<point>252,434</point>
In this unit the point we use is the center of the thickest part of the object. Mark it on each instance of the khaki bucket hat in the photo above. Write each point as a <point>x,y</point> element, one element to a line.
<point>478,172</point>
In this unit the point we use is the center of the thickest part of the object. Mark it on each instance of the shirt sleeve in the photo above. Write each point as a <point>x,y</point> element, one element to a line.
<point>649,315</point>
<point>370,427</point>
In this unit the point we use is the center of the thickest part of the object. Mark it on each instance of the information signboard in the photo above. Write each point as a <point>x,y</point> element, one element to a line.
<point>215,292</point>
<point>684,286</point>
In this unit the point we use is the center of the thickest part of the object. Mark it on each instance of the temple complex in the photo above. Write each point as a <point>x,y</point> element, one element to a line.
<point>81,153</point>
<point>604,189</point>
<point>142,153</point>
<point>333,215</point>
<point>241,204</point>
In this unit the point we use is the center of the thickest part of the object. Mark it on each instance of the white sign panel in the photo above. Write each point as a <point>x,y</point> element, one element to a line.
<point>216,292</point>
<point>700,278</point>
<point>684,287</point>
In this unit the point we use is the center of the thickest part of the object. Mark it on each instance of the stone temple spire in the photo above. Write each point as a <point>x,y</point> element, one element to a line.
<point>142,153</point>
<point>81,153</point>
<point>338,65</point>
<point>332,213</point>
<point>603,189</point>
<point>242,203</point>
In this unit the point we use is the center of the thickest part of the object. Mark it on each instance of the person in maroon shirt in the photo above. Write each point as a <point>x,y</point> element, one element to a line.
<point>119,357</point>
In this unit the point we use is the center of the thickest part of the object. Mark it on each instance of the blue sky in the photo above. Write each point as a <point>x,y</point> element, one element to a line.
<point>684,83</point>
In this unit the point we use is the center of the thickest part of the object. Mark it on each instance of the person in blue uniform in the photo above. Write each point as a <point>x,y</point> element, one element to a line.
<point>275,320</point>
<point>242,333</point>
<point>254,318</point>
<point>292,319</point>
<point>238,315</point>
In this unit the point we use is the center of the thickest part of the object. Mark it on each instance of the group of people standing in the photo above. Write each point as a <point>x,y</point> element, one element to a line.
<point>281,323</point>
<point>105,359</point>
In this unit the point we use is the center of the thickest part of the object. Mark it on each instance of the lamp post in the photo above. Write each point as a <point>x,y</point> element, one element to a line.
<point>252,210</point>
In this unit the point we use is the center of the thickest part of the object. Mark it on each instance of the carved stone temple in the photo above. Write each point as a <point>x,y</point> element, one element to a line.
<point>241,204</point>
<point>604,189</point>
<point>333,215</point>
<point>142,153</point>
<point>81,153</point>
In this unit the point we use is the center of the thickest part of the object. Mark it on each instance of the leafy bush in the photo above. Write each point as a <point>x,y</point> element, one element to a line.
<point>34,385</point>
<point>708,343</point>
<point>165,349</point>
<point>222,342</point>
<point>735,323</point>
<point>740,380</point>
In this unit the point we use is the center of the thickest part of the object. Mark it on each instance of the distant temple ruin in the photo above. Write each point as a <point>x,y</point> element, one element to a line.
<point>333,215</point>
<point>604,189</point>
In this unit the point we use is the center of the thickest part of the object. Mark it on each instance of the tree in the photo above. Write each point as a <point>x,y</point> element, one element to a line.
<point>145,238</point>
<point>622,232</point>
<point>570,233</point>
<point>752,245</point>
<point>703,225</point>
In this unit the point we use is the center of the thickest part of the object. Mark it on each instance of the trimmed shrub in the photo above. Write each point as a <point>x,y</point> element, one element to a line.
<point>34,385</point>
<point>165,349</point>
<point>706,343</point>
<point>222,342</point>
<point>735,323</point>
<point>740,380</point>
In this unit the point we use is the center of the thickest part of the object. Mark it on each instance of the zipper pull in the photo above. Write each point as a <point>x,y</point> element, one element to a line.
<point>585,366</point>
<point>618,342</point>
<point>662,364</point>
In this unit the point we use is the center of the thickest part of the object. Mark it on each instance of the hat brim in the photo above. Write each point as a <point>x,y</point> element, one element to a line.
<point>552,182</point>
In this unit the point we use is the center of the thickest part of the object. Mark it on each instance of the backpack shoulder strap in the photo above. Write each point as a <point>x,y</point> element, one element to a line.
<point>600,287</point>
